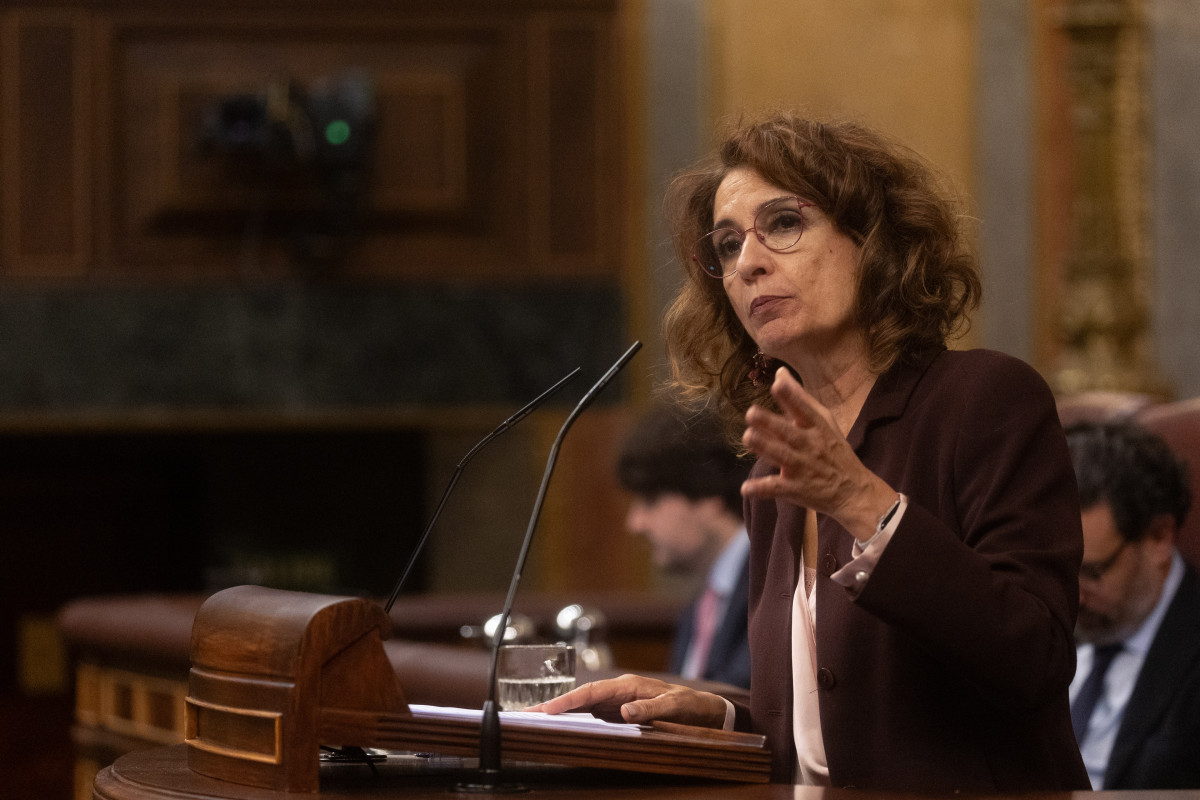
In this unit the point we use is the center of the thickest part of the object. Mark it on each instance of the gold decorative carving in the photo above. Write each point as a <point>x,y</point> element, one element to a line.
<point>1104,319</point>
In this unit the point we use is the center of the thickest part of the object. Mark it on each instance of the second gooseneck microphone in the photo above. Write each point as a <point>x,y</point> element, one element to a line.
<point>489,732</point>
<point>458,470</point>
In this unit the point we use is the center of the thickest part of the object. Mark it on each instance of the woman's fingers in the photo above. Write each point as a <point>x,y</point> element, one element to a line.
<point>795,401</point>
<point>604,696</point>
<point>634,698</point>
<point>803,443</point>
<point>815,466</point>
<point>802,409</point>
<point>678,704</point>
<point>772,437</point>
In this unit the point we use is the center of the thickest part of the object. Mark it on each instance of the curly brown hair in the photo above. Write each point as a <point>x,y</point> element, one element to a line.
<point>917,278</point>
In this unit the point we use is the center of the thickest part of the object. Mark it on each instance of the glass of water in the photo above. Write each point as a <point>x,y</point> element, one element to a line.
<point>528,674</point>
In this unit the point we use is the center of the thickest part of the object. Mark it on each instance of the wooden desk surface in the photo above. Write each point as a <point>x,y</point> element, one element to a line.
<point>162,774</point>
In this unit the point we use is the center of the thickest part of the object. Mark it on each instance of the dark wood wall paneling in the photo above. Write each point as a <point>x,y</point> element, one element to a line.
<point>495,167</point>
<point>491,225</point>
<point>46,155</point>
<point>496,153</point>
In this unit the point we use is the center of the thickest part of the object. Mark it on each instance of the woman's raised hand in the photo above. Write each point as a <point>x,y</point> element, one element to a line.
<point>818,469</point>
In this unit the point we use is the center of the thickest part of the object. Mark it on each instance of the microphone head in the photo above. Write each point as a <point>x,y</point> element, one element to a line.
<point>520,629</point>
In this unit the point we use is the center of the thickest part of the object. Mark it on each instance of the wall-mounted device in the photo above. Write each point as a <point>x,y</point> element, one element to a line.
<point>322,133</point>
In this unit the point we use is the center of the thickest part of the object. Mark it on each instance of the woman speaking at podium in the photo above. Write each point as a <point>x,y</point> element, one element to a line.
<point>914,525</point>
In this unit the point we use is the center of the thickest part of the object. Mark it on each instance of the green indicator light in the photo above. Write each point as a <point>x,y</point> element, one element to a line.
<point>337,132</point>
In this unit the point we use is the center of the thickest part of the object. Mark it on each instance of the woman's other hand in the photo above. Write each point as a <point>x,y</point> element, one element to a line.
<point>634,698</point>
<point>818,469</point>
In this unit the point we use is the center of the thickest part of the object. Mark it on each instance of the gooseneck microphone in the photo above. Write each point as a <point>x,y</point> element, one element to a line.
<point>489,731</point>
<point>458,470</point>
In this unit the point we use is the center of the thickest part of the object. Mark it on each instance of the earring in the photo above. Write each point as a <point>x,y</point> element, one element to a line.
<point>759,369</point>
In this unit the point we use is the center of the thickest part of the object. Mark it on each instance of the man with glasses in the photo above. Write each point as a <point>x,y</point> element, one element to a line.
<point>1135,699</point>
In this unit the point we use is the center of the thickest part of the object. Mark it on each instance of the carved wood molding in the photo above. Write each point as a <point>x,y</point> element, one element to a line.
<point>1103,319</point>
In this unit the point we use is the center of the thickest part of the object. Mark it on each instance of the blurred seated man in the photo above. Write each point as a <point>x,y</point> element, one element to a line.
<point>686,480</point>
<point>1138,631</point>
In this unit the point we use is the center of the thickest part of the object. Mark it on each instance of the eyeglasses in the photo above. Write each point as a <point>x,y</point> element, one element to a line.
<point>777,225</point>
<point>1095,571</point>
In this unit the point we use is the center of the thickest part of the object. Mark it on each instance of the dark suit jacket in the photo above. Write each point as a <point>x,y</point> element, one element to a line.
<point>1158,744</point>
<point>950,670</point>
<point>729,657</point>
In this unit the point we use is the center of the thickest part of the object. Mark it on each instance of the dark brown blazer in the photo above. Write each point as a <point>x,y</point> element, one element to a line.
<point>949,672</point>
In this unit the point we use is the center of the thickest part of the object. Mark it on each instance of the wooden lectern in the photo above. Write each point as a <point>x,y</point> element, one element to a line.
<point>268,669</point>
<point>276,675</point>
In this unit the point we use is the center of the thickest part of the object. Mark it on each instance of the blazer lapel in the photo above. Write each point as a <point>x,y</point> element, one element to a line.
<point>890,394</point>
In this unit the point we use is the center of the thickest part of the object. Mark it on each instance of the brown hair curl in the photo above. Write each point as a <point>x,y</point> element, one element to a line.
<point>917,278</point>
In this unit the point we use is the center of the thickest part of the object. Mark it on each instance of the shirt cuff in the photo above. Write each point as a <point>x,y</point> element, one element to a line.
<point>730,715</point>
<point>864,556</point>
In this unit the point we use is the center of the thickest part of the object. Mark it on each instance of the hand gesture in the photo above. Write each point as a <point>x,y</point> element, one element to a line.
<point>817,467</point>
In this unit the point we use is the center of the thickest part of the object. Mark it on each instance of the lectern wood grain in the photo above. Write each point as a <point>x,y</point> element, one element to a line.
<point>276,675</point>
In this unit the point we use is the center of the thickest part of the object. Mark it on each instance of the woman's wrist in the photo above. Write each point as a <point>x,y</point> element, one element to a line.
<point>721,711</point>
<point>885,519</point>
<point>875,513</point>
